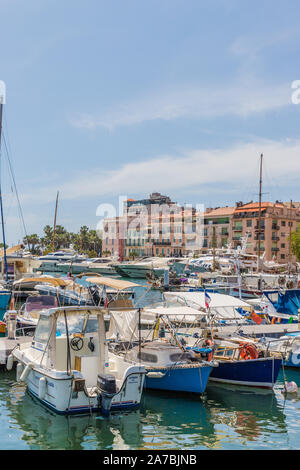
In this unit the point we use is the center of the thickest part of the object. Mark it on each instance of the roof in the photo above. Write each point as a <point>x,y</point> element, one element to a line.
<point>118,284</point>
<point>254,206</point>
<point>220,211</point>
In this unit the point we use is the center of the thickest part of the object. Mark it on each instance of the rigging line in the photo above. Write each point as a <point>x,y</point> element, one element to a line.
<point>15,186</point>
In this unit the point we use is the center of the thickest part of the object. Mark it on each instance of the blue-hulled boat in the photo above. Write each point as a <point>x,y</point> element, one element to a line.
<point>244,363</point>
<point>285,302</point>
<point>170,368</point>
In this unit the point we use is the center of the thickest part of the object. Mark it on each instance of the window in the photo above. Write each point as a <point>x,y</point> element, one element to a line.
<point>282,245</point>
<point>283,223</point>
<point>249,223</point>
<point>143,356</point>
<point>282,256</point>
<point>42,330</point>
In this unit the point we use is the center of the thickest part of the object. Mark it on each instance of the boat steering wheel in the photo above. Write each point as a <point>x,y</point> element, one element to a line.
<point>76,343</point>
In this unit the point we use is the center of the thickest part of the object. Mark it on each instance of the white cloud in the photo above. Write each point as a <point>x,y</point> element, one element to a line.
<point>246,97</point>
<point>188,172</point>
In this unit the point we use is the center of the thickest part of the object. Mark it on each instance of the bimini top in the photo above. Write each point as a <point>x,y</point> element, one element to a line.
<point>73,310</point>
<point>55,281</point>
<point>113,283</point>
<point>225,306</point>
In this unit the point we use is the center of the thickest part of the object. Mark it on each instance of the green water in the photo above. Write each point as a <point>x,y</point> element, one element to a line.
<point>226,417</point>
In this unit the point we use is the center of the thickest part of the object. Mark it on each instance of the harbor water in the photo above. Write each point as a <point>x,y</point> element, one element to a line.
<point>224,418</point>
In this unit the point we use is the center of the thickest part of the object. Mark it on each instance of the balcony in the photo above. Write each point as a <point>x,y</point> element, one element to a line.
<point>275,227</point>
<point>275,238</point>
<point>161,243</point>
<point>275,248</point>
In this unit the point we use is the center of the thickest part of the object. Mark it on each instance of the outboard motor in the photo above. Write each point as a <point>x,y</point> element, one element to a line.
<point>107,388</point>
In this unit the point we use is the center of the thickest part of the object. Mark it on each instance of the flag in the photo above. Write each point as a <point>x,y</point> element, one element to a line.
<point>207,299</point>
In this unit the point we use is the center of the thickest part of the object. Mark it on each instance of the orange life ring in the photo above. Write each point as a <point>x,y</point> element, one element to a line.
<point>248,351</point>
<point>209,343</point>
<point>273,320</point>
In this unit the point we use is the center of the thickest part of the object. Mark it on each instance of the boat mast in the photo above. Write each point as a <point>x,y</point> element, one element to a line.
<point>290,234</point>
<point>1,205</point>
<point>54,225</point>
<point>259,213</point>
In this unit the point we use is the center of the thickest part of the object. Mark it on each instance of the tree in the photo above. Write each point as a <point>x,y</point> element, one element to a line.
<point>33,243</point>
<point>295,242</point>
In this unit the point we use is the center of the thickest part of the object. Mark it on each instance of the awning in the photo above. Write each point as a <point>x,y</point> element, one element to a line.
<point>113,283</point>
<point>55,281</point>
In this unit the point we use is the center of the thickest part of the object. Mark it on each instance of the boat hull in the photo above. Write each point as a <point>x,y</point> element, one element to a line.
<point>190,379</point>
<point>61,398</point>
<point>254,373</point>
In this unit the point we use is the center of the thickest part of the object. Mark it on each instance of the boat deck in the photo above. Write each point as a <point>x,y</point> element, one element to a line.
<point>7,345</point>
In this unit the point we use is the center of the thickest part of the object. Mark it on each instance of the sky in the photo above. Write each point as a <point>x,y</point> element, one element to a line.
<point>127,97</point>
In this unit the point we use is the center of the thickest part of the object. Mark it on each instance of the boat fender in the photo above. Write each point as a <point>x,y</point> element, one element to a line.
<point>26,372</point>
<point>20,369</point>
<point>42,388</point>
<point>10,362</point>
<point>290,387</point>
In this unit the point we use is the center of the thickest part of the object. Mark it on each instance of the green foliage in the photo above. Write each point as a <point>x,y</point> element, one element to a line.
<point>86,241</point>
<point>295,242</point>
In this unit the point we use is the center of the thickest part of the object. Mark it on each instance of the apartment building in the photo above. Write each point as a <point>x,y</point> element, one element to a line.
<point>277,221</point>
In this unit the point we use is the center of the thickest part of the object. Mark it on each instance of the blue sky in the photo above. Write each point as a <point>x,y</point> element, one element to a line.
<point>127,97</point>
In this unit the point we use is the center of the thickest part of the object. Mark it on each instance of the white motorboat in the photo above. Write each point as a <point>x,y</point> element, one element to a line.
<point>68,366</point>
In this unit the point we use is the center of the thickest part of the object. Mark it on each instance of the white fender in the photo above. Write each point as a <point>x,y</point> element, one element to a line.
<point>26,372</point>
<point>42,388</point>
<point>10,362</point>
<point>20,369</point>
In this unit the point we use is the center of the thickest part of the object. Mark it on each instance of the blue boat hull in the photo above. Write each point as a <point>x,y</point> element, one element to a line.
<point>191,380</point>
<point>4,302</point>
<point>255,372</point>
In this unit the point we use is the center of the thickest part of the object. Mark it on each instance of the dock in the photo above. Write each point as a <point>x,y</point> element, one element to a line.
<point>7,345</point>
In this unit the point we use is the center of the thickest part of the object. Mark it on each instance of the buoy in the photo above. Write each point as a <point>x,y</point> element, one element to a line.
<point>42,388</point>
<point>290,387</point>
<point>25,373</point>
<point>20,368</point>
<point>10,362</point>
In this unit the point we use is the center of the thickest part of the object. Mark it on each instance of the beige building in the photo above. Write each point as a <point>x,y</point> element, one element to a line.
<point>278,220</point>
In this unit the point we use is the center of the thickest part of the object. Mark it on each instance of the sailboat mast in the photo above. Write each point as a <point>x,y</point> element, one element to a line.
<point>54,225</point>
<point>1,205</point>
<point>259,213</point>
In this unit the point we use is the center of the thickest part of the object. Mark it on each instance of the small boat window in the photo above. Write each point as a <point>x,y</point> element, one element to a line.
<point>179,357</point>
<point>75,324</point>
<point>147,357</point>
<point>42,330</point>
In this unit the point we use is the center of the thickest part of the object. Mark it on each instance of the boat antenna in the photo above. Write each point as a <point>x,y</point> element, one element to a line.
<point>259,212</point>
<point>54,225</point>
<point>1,205</point>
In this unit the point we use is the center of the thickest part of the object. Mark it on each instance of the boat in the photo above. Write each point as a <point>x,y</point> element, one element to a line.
<point>29,312</point>
<point>69,368</point>
<point>168,366</point>
<point>102,266</point>
<point>243,362</point>
<point>140,268</point>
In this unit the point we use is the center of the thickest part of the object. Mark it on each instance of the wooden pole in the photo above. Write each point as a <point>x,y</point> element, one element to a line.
<point>259,212</point>
<point>54,225</point>
<point>1,205</point>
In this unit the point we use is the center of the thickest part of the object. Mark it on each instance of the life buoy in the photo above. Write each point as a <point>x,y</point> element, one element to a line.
<point>248,351</point>
<point>273,320</point>
<point>209,343</point>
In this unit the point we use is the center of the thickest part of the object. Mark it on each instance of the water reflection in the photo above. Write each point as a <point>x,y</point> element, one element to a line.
<point>176,421</point>
<point>43,429</point>
<point>249,413</point>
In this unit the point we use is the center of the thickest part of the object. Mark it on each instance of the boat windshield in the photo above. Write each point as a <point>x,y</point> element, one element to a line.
<point>77,324</point>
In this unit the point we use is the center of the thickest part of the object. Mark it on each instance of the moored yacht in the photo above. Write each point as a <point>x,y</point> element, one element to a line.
<point>69,369</point>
